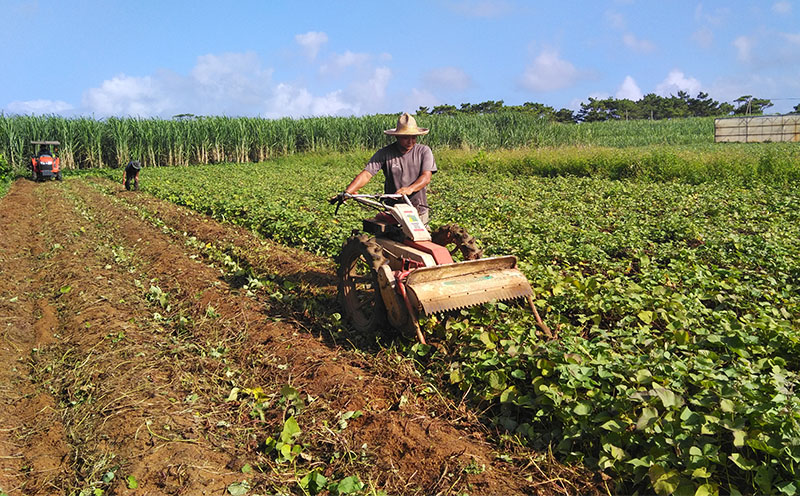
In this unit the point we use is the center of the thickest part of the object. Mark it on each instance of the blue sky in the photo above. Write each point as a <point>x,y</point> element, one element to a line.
<point>302,58</point>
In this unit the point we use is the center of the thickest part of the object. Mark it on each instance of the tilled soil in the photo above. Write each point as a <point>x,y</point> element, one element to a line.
<point>141,357</point>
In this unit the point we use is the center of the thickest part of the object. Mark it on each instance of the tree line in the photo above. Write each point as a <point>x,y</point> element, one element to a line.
<point>650,106</point>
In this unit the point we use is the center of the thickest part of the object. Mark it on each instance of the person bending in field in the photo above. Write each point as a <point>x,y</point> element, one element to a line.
<point>131,175</point>
<point>407,166</point>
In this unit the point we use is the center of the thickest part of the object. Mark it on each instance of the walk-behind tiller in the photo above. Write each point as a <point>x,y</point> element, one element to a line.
<point>397,269</point>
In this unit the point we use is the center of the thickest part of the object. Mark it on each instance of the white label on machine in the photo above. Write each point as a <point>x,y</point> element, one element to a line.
<point>411,223</point>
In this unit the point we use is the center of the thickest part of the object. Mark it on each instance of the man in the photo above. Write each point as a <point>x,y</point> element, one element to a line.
<point>131,174</point>
<point>407,166</point>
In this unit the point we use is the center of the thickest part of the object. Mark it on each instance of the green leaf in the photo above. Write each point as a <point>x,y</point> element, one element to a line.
<point>290,430</point>
<point>763,478</point>
<point>131,482</point>
<point>486,339</point>
<point>582,409</point>
<point>647,418</point>
<point>65,289</point>
<point>508,394</point>
<point>707,490</point>
<point>681,337</point>
<point>239,488</point>
<point>742,462</point>
<point>348,485</point>
<point>726,405</point>
<point>288,393</point>
<point>664,482</point>
<point>344,417</point>
<point>646,316</point>
<point>668,398</point>
<point>496,379</point>
<point>739,438</point>
<point>643,376</point>
<point>612,425</point>
<point>788,488</point>
<point>615,452</point>
<point>760,445</point>
<point>314,482</point>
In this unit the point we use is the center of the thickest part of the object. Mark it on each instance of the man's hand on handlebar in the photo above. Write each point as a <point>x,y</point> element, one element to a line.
<point>338,198</point>
<point>380,202</point>
<point>405,191</point>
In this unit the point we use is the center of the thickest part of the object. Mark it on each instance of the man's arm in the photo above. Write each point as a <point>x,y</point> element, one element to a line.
<point>423,180</point>
<point>358,182</point>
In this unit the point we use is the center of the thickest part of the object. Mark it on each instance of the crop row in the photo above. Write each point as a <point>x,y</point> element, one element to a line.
<point>677,308</point>
<point>90,143</point>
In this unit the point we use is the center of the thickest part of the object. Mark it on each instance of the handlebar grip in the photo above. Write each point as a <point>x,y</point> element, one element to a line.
<point>338,199</point>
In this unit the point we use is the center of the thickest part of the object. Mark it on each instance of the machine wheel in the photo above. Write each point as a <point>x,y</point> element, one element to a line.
<point>359,293</point>
<point>35,176</point>
<point>457,241</point>
<point>58,176</point>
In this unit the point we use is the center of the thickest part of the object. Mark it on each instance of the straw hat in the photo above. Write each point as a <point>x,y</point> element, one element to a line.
<point>406,126</point>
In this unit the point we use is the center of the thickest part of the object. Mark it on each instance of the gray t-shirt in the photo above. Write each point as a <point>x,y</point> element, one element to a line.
<point>400,171</point>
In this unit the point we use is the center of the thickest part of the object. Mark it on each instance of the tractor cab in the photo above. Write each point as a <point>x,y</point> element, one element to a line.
<point>45,163</point>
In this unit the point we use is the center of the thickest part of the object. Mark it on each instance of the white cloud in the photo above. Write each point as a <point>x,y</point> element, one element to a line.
<point>287,100</point>
<point>420,98</point>
<point>225,84</point>
<point>782,7</point>
<point>677,81</point>
<point>599,95</point>
<point>792,38</point>
<point>228,84</point>
<point>629,90</point>
<point>236,84</point>
<point>447,78</point>
<point>615,20</point>
<point>39,107</point>
<point>128,96</point>
<point>371,92</point>
<point>768,50</point>
<point>718,17</point>
<point>549,72</point>
<point>230,76</point>
<point>744,48</point>
<point>311,42</point>
<point>481,8</point>
<point>338,63</point>
<point>703,37</point>
<point>227,67</point>
<point>637,45</point>
<point>729,88</point>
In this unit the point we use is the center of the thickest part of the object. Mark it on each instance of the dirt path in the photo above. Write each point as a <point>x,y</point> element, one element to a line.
<point>151,350</point>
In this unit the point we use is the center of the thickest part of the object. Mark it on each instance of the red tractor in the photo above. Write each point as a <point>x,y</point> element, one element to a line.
<point>45,163</point>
